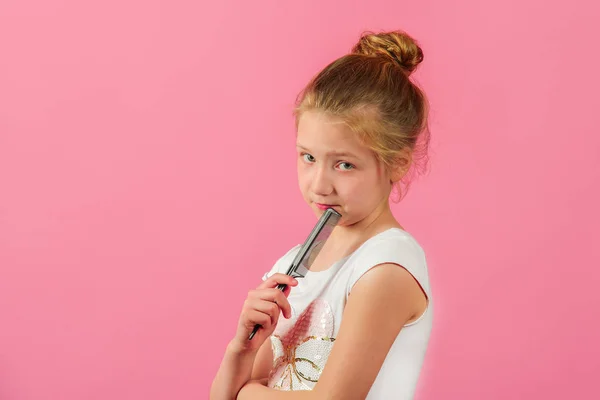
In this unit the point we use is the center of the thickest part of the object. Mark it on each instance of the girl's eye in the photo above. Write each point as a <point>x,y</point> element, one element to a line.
<point>308,158</point>
<point>346,166</point>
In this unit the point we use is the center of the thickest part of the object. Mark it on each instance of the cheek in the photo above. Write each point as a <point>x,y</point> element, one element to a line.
<point>362,191</point>
<point>352,190</point>
<point>303,176</point>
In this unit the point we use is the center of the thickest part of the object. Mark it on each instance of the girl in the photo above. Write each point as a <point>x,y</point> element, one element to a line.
<point>357,326</point>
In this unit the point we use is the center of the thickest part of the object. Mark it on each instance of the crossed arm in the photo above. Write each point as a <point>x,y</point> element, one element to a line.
<point>384,300</point>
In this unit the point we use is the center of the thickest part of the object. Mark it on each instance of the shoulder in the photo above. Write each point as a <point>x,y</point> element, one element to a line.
<point>393,247</point>
<point>385,297</point>
<point>392,241</point>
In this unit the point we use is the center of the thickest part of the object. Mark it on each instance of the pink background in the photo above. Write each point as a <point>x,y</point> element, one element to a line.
<point>147,178</point>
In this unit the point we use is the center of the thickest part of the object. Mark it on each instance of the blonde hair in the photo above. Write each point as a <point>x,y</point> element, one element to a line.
<point>370,90</point>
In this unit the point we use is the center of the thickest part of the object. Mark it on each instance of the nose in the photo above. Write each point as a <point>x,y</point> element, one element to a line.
<point>321,184</point>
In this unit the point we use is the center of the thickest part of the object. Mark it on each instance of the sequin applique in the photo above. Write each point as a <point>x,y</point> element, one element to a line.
<point>301,347</point>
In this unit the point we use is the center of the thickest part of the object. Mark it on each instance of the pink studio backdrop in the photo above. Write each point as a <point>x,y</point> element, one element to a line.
<point>147,181</point>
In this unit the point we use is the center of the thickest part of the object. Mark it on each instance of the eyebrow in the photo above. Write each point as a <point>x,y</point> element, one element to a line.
<point>331,153</point>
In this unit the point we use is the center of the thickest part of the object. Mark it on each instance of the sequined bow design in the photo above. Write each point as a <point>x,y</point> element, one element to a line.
<point>301,348</point>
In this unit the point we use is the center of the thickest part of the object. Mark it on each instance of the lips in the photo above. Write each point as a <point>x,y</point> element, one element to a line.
<point>324,206</point>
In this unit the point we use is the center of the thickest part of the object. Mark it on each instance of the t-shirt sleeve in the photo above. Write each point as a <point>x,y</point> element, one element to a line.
<point>283,263</point>
<point>400,250</point>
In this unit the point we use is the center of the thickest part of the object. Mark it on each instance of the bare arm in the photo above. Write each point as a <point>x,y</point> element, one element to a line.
<point>263,306</point>
<point>357,355</point>
<point>263,362</point>
<point>255,390</point>
<point>234,371</point>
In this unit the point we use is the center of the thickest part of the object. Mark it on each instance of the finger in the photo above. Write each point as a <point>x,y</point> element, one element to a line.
<point>274,296</point>
<point>287,290</point>
<point>255,317</point>
<point>268,307</point>
<point>277,279</point>
<point>259,293</point>
<point>278,297</point>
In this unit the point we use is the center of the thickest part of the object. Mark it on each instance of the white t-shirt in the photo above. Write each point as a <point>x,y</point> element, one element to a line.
<point>301,344</point>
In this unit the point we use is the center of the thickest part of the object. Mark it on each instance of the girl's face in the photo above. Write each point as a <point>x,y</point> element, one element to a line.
<point>336,169</point>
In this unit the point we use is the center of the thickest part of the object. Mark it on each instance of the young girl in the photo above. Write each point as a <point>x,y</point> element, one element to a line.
<point>357,326</point>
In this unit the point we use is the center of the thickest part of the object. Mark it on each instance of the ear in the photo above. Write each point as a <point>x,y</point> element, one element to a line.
<point>401,165</point>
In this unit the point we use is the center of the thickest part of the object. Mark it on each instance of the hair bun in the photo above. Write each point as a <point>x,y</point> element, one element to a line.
<point>396,45</point>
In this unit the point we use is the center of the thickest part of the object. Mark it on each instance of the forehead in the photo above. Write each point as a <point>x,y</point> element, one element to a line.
<point>319,131</point>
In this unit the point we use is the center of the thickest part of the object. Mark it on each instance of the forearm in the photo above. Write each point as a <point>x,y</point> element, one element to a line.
<point>234,372</point>
<point>256,391</point>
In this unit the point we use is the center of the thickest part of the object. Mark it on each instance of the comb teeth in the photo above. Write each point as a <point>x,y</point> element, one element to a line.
<point>319,233</point>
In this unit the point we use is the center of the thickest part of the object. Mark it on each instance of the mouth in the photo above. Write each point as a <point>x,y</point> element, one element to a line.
<point>322,206</point>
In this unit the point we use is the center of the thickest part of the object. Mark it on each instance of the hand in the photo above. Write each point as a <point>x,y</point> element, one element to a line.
<point>262,306</point>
